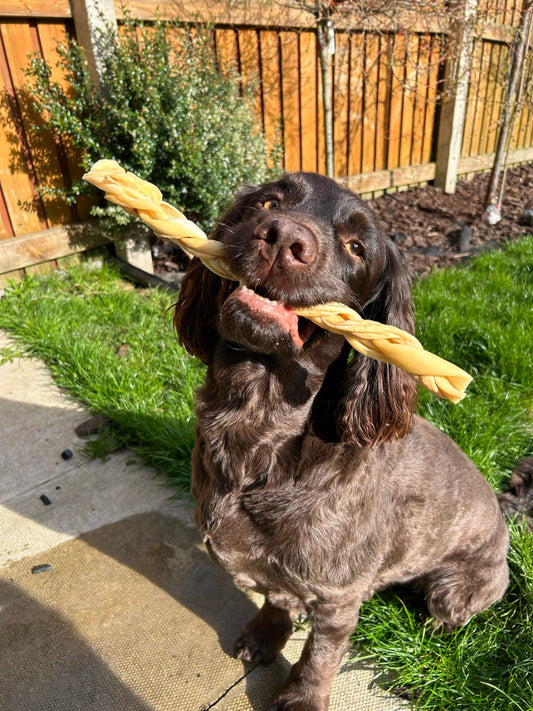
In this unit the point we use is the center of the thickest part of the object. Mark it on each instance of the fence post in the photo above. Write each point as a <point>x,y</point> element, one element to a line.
<point>91,17</point>
<point>457,79</point>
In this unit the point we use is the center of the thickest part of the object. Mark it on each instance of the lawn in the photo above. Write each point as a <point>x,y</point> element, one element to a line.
<point>112,346</point>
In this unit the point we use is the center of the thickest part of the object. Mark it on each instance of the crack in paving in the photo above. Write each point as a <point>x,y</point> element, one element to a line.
<point>232,686</point>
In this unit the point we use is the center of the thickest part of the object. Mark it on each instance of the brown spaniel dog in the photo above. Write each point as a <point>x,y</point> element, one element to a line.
<point>315,483</point>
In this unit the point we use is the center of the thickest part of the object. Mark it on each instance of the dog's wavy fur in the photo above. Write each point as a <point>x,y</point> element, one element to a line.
<point>315,482</point>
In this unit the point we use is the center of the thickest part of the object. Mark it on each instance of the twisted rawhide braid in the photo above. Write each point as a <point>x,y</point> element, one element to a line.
<point>372,339</point>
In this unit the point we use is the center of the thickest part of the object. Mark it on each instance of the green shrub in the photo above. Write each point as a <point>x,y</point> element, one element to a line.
<point>164,109</point>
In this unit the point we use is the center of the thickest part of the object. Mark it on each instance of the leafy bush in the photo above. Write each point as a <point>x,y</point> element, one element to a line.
<point>164,109</point>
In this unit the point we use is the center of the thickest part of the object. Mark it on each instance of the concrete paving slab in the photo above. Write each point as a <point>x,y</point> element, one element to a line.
<point>135,616</point>
<point>36,427</point>
<point>38,424</point>
<point>32,450</point>
<point>131,616</point>
<point>129,612</point>
<point>82,498</point>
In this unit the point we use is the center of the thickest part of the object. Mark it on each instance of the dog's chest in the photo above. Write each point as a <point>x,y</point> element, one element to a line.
<point>261,541</point>
<point>281,533</point>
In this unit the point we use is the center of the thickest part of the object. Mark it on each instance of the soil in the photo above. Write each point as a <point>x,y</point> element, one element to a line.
<point>436,229</point>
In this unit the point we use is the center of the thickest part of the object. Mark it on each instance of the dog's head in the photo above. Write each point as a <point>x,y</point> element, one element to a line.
<point>301,241</point>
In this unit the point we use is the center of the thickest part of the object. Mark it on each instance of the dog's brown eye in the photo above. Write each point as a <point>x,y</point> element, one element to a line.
<point>271,204</point>
<point>354,248</point>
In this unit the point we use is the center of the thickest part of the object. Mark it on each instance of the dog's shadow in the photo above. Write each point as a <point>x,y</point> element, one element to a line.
<point>171,555</point>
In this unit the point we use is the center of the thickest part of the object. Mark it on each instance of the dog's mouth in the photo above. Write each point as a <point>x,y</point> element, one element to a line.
<point>297,327</point>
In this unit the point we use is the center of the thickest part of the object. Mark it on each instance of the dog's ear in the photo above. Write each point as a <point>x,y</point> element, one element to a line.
<point>202,293</point>
<point>376,400</point>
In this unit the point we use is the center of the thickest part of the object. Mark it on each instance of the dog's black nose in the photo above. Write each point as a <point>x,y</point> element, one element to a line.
<point>283,238</point>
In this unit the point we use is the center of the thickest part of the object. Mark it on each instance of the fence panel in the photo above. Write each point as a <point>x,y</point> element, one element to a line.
<point>386,85</point>
<point>28,160</point>
<point>490,68</point>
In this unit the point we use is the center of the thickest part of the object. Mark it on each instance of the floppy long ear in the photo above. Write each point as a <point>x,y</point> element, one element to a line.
<point>202,293</point>
<point>377,399</point>
<point>200,297</point>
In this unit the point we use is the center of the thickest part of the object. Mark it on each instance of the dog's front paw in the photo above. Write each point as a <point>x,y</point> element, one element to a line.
<point>264,636</point>
<point>256,648</point>
<point>251,650</point>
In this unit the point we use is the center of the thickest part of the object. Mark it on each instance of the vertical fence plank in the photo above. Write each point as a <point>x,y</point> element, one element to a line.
<point>480,100</point>
<point>357,95</point>
<point>518,134</point>
<point>397,71</point>
<point>409,97</point>
<point>528,122</point>
<point>382,119</point>
<point>525,118</point>
<point>431,98</point>
<point>419,100</point>
<point>308,101</point>
<point>226,48</point>
<point>528,107</point>
<point>249,64</point>
<point>247,45</point>
<point>17,174</point>
<point>341,101</point>
<point>498,94</point>
<point>291,104</point>
<point>420,92</point>
<point>6,227</point>
<point>270,85</point>
<point>68,159</point>
<point>9,139</point>
<point>472,103</point>
<point>487,123</point>
<point>44,153</point>
<point>484,90</point>
<point>370,113</point>
<point>321,145</point>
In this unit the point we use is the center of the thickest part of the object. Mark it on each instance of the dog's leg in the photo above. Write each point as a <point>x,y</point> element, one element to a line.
<point>309,684</point>
<point>265,635</point>
<point>466,586</point>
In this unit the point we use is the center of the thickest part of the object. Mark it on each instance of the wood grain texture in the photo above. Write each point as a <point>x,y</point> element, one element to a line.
<point>37,247</point>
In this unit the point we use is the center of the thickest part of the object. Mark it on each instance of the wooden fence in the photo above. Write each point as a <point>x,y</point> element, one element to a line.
<point>387,78</point>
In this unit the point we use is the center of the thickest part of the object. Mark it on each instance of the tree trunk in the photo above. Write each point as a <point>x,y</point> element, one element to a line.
<point>324,30</point>
<point>507,119</point>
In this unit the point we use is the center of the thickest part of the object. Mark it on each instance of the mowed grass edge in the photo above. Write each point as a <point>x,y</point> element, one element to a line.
<point>113,348</point>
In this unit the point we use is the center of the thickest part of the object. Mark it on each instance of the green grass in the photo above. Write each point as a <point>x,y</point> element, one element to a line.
<point>77,322</point>
<point>480,317</point>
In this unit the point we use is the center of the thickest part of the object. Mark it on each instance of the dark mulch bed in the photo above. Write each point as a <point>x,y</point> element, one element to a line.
<point>437,229</point>
<point>434,228</point>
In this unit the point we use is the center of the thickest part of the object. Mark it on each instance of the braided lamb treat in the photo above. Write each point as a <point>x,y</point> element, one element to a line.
<point>375,340</point>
